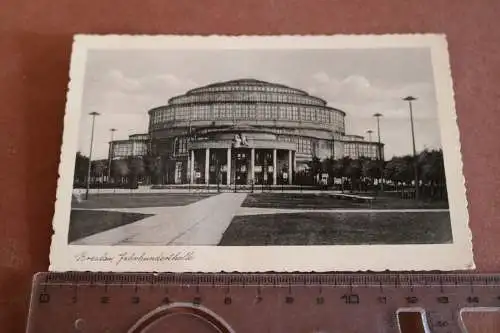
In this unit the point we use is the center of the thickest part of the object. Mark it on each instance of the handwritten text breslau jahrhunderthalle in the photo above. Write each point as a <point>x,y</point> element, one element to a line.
<point>133,257</point>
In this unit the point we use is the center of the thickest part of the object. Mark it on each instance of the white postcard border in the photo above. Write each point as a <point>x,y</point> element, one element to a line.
<point>455,256</point>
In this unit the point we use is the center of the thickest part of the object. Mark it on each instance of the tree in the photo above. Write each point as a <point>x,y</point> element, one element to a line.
<point>431,165</point>
<point>121,168</point>
<point>371,169</point>
<point>112,174</point>
<point>167,169</point>
<point>136,167</point>
<point>353,171</point>
<point>340,169</point>
<point>315,167</point>
<point>325,166</point>
<point>81,168</point>
<point>98,168</point>
<point>399,169</point>
<point>432,172</point>
<point>152,165</point>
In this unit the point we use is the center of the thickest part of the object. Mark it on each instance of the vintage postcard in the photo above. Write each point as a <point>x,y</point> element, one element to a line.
<point>261,153</point>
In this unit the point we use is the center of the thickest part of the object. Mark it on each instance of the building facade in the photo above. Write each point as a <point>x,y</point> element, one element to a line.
<point>355,146</point>
<point>248,131</point>
<point>135,145</point>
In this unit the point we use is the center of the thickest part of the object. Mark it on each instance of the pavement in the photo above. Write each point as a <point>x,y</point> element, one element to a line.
<point>200,223</point>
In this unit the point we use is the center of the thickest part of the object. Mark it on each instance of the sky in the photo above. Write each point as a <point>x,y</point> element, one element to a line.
<point>122,85</point>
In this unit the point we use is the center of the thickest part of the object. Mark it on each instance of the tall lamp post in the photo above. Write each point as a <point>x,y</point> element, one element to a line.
<point>410,99</point>
<point>379,146</point>
<point>110,155</point>
<point>369,135</point>
<point>93,114</point>
<point>333,146</point>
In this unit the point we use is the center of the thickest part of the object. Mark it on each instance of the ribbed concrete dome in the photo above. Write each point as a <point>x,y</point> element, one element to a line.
<point>247,84</point>
<point>247,90</point>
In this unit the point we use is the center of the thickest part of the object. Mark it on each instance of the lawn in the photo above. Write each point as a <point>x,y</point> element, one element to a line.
<point>84,223</point>
<point>326,201</point>
<point>138,200</point>
<point>339,229</point>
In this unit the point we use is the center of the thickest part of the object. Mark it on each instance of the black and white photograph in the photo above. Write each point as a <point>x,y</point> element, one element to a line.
<point>281,153</point>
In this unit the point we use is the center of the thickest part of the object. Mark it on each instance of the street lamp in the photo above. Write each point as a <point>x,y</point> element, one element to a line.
<point>378,115</point>
<point>410,99</point>
<point>110,154</point>
<point>369,135</point>
<point>369,139</point>
<point>333,146</point>
<point>93,114</point>
<point>379,146</point>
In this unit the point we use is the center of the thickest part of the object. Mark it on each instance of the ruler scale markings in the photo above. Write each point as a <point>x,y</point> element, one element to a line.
<point>465,291</point>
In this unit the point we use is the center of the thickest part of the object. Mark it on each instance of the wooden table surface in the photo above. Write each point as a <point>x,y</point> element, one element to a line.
<point>35,45</point>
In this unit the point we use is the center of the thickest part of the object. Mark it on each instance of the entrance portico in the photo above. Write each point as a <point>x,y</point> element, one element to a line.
<point>233,157</point>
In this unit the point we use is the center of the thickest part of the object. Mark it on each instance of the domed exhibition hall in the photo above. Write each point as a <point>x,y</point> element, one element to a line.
<point>242,132</point>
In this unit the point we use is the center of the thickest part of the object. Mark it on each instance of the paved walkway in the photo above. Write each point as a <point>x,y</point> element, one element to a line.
<point>200,223</point>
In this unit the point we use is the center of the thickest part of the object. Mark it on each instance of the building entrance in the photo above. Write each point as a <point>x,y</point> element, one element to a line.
<point>241,162</point>
<point>217,166</point>
<point>240,166</point>
<point>264,167</point>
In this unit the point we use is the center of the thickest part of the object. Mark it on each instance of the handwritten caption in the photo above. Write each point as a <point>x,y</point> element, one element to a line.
<point>134,258</point>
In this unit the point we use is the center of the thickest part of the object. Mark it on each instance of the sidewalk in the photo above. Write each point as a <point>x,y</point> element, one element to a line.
<point>200,223</point>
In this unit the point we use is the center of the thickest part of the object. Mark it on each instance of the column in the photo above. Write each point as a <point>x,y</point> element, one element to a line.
<point>191,167</point>
<point>294,161</point>
<point>188,168</point>
<point>207,164</point>
<point>228,176</point>
<point>290,170</point>
<point>252,165</point>
<point>274,167</point>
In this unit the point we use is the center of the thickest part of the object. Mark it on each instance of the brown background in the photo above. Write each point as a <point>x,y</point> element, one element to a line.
<point>35,45</point>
